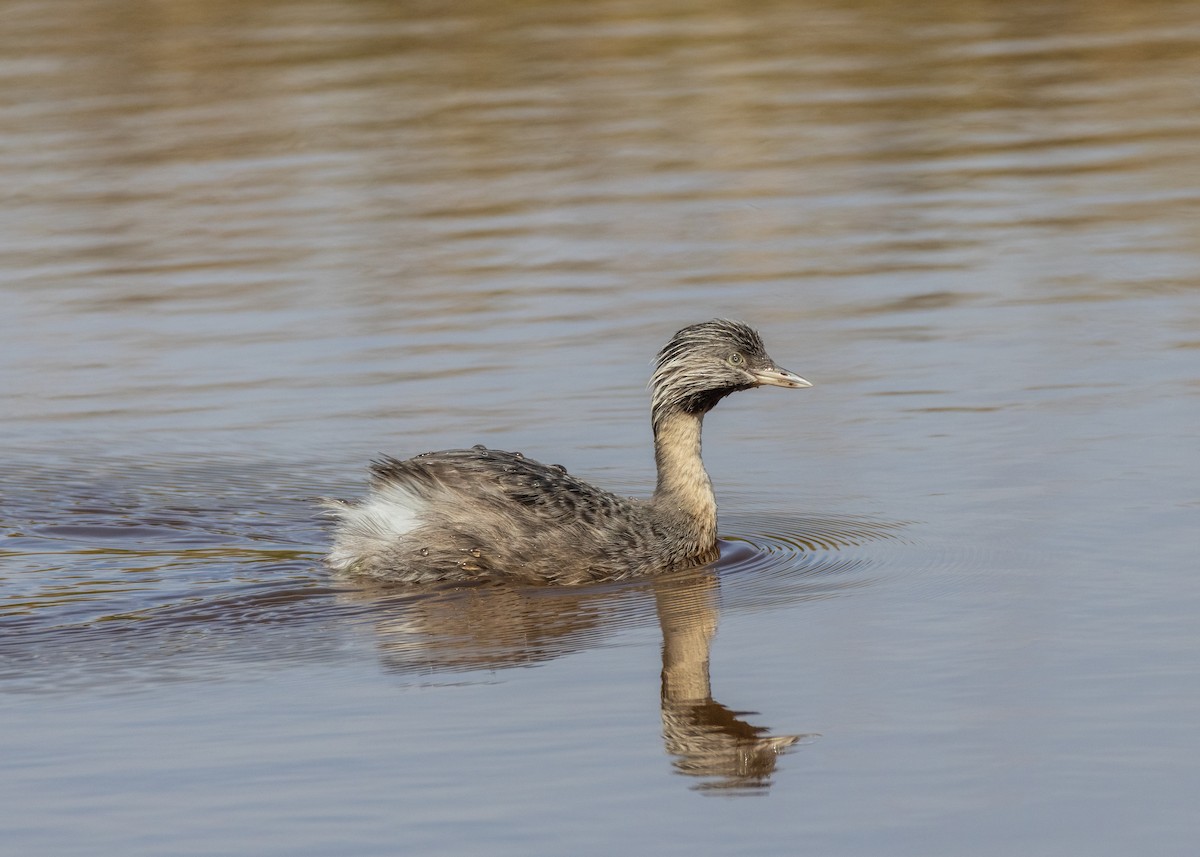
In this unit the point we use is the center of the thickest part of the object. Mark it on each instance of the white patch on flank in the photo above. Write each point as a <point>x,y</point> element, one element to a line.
<point>369,527</point>
<point>391,511</point>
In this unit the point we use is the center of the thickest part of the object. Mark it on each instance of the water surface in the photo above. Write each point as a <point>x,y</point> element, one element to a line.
<point>249,248</point>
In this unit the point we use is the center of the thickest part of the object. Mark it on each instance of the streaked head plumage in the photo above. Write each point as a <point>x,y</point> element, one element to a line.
<point>703,363</point>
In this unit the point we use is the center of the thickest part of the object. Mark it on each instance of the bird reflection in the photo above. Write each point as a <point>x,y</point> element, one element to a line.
<point>499,626</point>
<point>707,739</point>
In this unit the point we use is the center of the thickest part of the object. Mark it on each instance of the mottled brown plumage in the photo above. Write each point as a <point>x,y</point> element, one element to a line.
<point>467,514</point>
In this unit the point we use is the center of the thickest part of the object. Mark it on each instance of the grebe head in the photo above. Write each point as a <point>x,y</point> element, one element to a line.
<point>704,363</point>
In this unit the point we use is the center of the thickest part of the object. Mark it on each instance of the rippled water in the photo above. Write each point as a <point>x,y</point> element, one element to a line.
<point>247,248</point>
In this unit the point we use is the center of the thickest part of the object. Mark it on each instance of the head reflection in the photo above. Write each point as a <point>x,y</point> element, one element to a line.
<point>707,739</point>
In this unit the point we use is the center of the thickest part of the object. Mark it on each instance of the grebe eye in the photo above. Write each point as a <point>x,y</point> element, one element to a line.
<point>736,359</point>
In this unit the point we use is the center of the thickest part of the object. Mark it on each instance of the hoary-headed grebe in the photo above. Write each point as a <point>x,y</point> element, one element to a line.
<point>469,514</point>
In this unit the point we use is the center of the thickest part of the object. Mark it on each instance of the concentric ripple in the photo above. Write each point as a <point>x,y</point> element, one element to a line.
<point>769,561</point>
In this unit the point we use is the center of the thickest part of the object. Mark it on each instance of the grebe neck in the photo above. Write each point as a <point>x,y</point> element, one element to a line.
<point>684,492</point>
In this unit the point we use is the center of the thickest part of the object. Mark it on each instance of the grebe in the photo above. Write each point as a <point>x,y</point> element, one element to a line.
<point>470,514</point>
